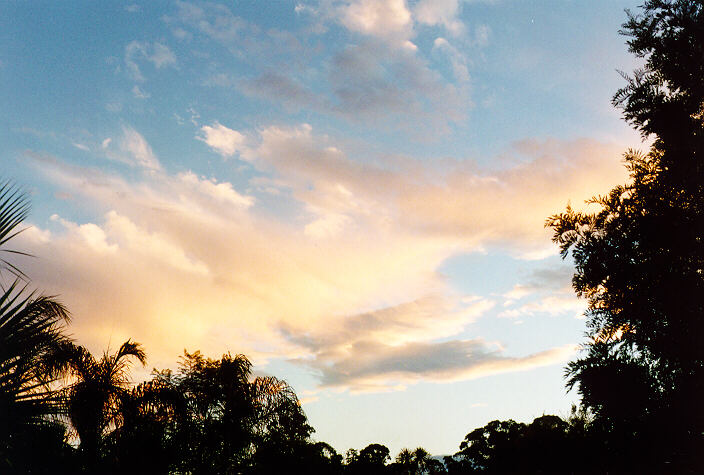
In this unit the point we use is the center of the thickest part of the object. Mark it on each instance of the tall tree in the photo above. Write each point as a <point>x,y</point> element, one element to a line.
<point>640,258</point>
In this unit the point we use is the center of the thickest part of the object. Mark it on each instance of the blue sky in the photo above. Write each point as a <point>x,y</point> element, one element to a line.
<point>352,193</point>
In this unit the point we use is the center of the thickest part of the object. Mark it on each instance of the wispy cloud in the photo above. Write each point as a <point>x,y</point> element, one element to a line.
<point>138,150</point>
<point>139,93</point>
<point>377,366</point>
<point>158,54</point>
<point>378,77</point>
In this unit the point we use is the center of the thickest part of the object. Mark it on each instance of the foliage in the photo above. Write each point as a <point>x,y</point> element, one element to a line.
<point>95,390</point>
<point>30,328</point>
<point>639,259</point>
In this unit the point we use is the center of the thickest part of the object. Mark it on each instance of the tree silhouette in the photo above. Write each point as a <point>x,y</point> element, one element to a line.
<point>95,391</point>
<point>639,259</point>
<point>147,431</point>
<point>371,459</point>
<point>30,329</point>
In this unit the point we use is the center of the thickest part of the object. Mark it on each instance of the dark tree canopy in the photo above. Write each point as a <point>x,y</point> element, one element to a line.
<point>640,258</point>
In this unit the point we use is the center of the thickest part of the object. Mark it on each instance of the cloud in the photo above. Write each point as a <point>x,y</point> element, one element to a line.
<point>221,139</point>
<point>274,86</point>
<point>387,19</point>
<point>91,235</point>
<point>221,192</point>
<point>156,53</point>
<point>439,13</point>
<point>546,291</point>
<point>457,203</point>
<point>81,146</point>
<point>371,82</point>
<point>140,153</point>
<point>457,60</point>
<point>427,318</point>
<point>392,347</point>
<point>139,93</point>
<point>380,79</point>
<point>378,366</point>
<point>548,305</point>
<point>342,277</point>
<point>216,21</point>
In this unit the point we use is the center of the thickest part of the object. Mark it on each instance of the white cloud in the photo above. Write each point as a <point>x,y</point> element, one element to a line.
<point>222,192</point>
<point>223,140</point>
<point>566,303</point>
<point>388,19</point>
<point>141,153</point>
<point>439,12</point>
<point>81,146</point>
<point>91,235</point>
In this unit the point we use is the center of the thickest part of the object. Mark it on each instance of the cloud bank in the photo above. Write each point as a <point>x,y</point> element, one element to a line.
<point>343,280</point>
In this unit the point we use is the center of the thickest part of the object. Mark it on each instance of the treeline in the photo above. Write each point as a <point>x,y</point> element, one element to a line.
<point>639,262</point>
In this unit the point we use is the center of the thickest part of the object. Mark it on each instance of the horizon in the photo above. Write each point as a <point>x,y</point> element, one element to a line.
<point>352,194</point>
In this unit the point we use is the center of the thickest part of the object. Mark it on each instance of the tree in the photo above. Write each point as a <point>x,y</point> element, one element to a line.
<point>416,462</point>
<point>639,259</point>
<point>148,416</point>
<point>95,390</point>
<point>371,459</point>
<point>492,448</point>
<point>233,423</point>
<point>30,328</point>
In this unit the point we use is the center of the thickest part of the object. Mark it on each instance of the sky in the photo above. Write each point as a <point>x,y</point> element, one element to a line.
<point>352,193</point>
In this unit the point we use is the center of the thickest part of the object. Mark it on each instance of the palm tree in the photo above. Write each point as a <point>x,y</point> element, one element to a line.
<point>14,208</point>
<point>95,389</point>
<point>30,330</point>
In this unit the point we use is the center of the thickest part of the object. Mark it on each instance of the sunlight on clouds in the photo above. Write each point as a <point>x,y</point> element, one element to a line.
<point>223,192</point>
<point>388,19</point>
<point>379,367</point>
<point>223,140</point>
<point>93,236</point>
<point>351,291</point>
<point>439,12</point>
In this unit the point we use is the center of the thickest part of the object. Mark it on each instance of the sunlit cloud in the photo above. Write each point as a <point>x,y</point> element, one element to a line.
<point>223,140</point>
<point>439,12</point>
<point>388,19</point>
<point>189,261</point>
<point>371,367</point>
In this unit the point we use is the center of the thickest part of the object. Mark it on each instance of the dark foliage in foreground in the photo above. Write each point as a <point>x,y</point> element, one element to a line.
<point>640,259</point>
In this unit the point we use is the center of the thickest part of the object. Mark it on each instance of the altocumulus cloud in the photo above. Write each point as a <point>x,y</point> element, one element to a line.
<point>377,75</point>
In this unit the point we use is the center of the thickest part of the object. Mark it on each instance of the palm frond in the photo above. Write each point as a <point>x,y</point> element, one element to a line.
<point>14,208</point>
